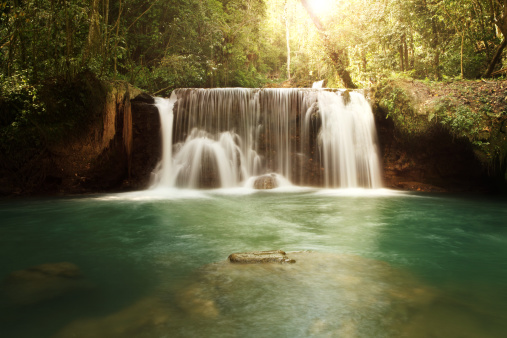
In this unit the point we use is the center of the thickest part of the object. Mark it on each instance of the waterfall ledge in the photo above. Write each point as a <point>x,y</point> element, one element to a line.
<point>219,138</point>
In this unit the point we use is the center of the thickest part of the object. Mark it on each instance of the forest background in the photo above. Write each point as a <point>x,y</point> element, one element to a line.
<point>52,52</point>
<point>159,45</point>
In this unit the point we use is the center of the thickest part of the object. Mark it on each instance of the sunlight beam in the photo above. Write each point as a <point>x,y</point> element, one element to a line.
<point>321,7</point>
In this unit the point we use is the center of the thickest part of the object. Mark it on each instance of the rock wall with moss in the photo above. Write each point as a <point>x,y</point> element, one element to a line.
<point>82,136</point>
<point>443,136</point>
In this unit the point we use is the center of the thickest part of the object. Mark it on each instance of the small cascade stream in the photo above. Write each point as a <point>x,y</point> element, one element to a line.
<point>222,138</point>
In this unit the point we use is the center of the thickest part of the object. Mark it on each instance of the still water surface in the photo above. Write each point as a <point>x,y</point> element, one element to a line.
<point>381,264</point>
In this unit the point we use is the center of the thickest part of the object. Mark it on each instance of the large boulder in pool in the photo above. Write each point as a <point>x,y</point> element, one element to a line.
<point>266,182</point>
<point>275,256</point>
<point>42,282</point>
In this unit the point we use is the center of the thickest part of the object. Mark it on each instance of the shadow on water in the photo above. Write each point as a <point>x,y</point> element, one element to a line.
<point>380,265</point>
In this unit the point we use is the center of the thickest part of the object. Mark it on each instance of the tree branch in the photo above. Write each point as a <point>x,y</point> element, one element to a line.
<point>337,54</point>
<point>142,14</point>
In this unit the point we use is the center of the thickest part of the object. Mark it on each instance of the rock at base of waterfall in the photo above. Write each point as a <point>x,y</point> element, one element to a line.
<point>346,97</point>
<point>145,98</point>
<point>274,256</point>
<point>266,182</point>
<point>42,282</point>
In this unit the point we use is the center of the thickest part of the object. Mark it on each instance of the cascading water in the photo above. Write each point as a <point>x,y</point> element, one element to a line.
<point>165,108</point>
<point>223,137</point>
<point>348,152</point>
<point>318,84</point>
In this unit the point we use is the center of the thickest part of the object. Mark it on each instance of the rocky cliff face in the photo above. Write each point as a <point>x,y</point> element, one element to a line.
<point>432,138</point>
<point>442,137</point>
<point>119,151</point>
<point>114,148</point>
<point>101,158</point>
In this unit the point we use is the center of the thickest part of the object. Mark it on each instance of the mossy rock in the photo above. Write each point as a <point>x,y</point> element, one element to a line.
<point>470,111</point>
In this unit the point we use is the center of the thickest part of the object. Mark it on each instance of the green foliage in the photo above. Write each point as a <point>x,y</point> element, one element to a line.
<point>162,45</point>
<point>19,100</point>
<point>463,122</point>
<point>399,107</point>
<point>236,42</point>
<point>35,118</point>
<point>20,107</point>
<point>174,71</point>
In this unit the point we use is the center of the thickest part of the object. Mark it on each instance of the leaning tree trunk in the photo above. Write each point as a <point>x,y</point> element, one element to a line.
<point>501,24</point>
<point>337,55</point>
<point>496,58</point>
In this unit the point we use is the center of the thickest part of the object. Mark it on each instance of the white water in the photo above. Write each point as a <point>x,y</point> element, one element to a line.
<point>318,84</point>
<point>347,140</point>
<point>164,171</point>
<point>224,138</point>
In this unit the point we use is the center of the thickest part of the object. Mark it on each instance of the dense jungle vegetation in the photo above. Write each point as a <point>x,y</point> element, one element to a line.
<point>159,45</point>
<point>52,52</point>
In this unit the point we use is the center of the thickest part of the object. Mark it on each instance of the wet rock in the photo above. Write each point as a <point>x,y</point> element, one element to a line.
<point>143,318</point>
<point>196,301</point>
<point>436,156</point>
<point>145,98</point>
<point>348,296</point>
<point>346,97</point>
<point>266,182</point>
<point>275,256</point>
<point>42,282</point>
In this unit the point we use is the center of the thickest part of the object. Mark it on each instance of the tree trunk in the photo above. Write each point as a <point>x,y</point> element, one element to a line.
<point>412,50</point>
<point>12,43</point>
<point>496,58</point>
<point>22,43</point>
<point>68,35</point>
<point>402,63</point>
<point>337,55</point>
<point>501,25</point>
<point>337,58</point>
<point>120,9</point>
<point>364,61</point>
<point>36,34</point>
<point>435,44</point>
<point>461,62</point>
<point>288,38</point>
<point>405,51</point>
<point>93,41</point>
<point>105,46</point>
<point>52,51</point>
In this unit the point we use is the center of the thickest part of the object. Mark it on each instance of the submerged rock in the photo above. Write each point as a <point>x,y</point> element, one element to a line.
<point>325,295</point>
<point>196,301</point>
<point>42,282</point>
<point>266,182</point>
<point>146,315</point>
<point>275,256</point>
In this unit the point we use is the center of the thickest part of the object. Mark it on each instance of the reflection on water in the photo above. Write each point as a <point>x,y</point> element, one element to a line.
<point>321,295</point>
<point>380,265</point>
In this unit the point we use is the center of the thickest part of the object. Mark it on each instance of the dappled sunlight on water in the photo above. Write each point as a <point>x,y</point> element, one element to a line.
<point>320,295</point>
<point>382,264</point>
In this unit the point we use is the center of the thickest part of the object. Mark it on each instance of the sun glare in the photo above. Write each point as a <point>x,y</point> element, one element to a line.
<point>321,7</point>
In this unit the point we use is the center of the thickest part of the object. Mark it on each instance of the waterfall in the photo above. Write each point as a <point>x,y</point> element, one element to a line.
<point>219,138</point>
<point>348,151</point>
<point>163,174</point>
<point>318,84</point>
